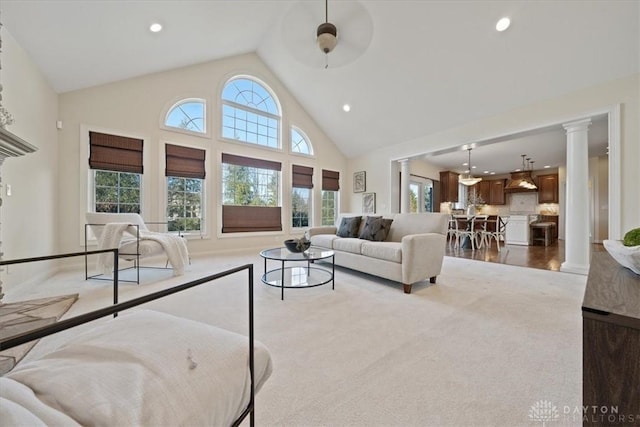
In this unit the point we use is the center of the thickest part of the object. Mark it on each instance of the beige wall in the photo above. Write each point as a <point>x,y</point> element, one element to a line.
<point>136,106</point>
<point>29,215</point>
<point>565,108</point>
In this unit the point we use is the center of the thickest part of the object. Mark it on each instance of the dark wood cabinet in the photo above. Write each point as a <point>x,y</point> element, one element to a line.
<point>491,191</point>
<point>448,186</point>
<point>610,344</point>
<point>548,188</point>
<point>496,192</point>
<point>482,190</point>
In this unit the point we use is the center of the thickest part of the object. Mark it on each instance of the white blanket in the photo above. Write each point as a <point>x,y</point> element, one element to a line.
<point>112,235</point>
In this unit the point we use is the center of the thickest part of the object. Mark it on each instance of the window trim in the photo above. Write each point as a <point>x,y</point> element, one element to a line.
<point>177,100</point>
<point>276,100</point>
<point>205,231</point>
<point>307,140</point>
<point>220,198</point>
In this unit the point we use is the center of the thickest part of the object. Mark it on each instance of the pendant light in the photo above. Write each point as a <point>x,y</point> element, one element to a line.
<point>468,179</point>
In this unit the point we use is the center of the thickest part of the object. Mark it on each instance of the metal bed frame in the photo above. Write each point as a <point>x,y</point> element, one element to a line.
<point>62,325</point>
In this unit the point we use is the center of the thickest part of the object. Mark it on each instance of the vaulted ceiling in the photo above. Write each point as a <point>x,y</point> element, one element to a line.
<point>427,65</point>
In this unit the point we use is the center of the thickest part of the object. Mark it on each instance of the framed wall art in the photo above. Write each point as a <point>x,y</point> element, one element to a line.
<point>369,203</point>
<point>359,182</point>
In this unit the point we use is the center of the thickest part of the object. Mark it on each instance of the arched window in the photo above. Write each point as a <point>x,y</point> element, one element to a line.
<point>300,143</point>
<point>187,114</point>
<point>250,113</point>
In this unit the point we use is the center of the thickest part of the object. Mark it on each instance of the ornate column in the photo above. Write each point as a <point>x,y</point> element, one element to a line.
<point>577,245</point>
<point>405,200</point>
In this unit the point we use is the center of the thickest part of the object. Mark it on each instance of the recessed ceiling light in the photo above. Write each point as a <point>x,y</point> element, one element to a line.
<point>486,171</point>
<point>346,107</point>
<point>465,164</point>
<point>517,170</point>
<point>155,27</point>
<point>547,166</point>
<point>473,167</point>
<point>503,24</point>
<point>493,173</point>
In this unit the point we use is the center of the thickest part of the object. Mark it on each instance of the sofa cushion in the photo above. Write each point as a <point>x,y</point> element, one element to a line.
<point>376,229</point>
<point>324,240</point>
<point>388,251</point>
<point>348,244</point>
<point>349,227</point>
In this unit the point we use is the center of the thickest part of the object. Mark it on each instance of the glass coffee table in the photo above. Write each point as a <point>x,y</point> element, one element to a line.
<point>298,276</point>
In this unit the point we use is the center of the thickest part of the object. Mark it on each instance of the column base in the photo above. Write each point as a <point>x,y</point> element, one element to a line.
<point>567,267</point>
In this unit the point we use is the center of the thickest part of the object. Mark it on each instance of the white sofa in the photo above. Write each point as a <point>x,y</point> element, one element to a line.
<point>412,252</point>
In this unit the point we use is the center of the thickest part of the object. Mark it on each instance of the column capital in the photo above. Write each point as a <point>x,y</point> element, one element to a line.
<point>577,126</point>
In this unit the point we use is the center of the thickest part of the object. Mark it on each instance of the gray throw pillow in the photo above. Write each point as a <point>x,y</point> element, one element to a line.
<point>349,227</point>
<point>376,229</point>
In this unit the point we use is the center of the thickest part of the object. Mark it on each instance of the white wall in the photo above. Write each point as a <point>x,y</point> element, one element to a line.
<point>135,106</point>
<point>625,91</point>
<point>29,215</point>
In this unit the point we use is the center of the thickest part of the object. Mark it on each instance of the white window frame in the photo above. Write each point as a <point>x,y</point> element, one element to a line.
<point>336,206</point>
<point>305,137</point>
<point>309,209</point>
<point>248,109</point>
<point>169,106</point>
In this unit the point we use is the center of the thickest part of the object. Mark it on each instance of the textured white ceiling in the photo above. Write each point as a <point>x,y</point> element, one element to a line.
<point>429,66</point>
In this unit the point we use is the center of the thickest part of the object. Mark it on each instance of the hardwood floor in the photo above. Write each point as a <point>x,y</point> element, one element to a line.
<point>542,257</point>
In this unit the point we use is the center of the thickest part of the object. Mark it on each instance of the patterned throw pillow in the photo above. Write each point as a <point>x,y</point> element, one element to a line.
<point>376,229</point>
<point>349,227</point>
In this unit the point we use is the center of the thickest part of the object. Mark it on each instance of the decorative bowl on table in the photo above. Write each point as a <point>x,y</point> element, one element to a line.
<point>297,245</point>
<point>627,256</point>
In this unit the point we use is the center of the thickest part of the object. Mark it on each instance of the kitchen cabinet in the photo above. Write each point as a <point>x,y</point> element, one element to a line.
<point>496,192</point>
<point>491,191</point>
<point>482,190</point>
<point>548,188</point>
<point>448,187</point>
<point>610,344</point>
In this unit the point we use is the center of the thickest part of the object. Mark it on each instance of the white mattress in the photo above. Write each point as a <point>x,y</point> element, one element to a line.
<point>142,368</point>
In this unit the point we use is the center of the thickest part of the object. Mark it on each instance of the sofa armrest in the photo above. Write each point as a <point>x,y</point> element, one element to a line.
<point>422,256</point>
<point>321,230</point>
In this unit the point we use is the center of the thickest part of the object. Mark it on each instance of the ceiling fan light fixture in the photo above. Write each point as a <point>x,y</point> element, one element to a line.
<point>327,37</point>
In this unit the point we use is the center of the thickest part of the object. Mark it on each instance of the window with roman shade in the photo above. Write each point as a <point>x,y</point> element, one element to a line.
<point>250,194</point>
<point>116,168</point>
<point>185,172</point>
<point>302,183</point>
<point>330,188</point>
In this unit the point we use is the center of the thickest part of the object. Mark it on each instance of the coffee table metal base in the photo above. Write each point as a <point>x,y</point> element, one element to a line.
<point>296,277</point>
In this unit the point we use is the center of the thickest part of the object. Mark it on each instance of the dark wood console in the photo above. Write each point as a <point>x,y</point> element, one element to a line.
<point>611,344</point>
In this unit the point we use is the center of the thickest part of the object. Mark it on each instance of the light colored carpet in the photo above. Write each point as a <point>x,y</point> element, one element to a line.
<point>480,347</point>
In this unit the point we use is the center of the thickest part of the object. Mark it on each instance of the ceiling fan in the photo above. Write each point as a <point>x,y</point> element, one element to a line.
<point>331,35</point>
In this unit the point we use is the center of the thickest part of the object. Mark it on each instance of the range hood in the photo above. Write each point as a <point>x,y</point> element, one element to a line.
<point>521,182</point>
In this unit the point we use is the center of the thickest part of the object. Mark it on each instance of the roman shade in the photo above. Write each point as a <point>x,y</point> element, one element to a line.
<point>184,162</point>
<point>302,176</point>
<point>239,219</point>
<point>330,180</point>
<point>232,159</point>
<point>115,153</point>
